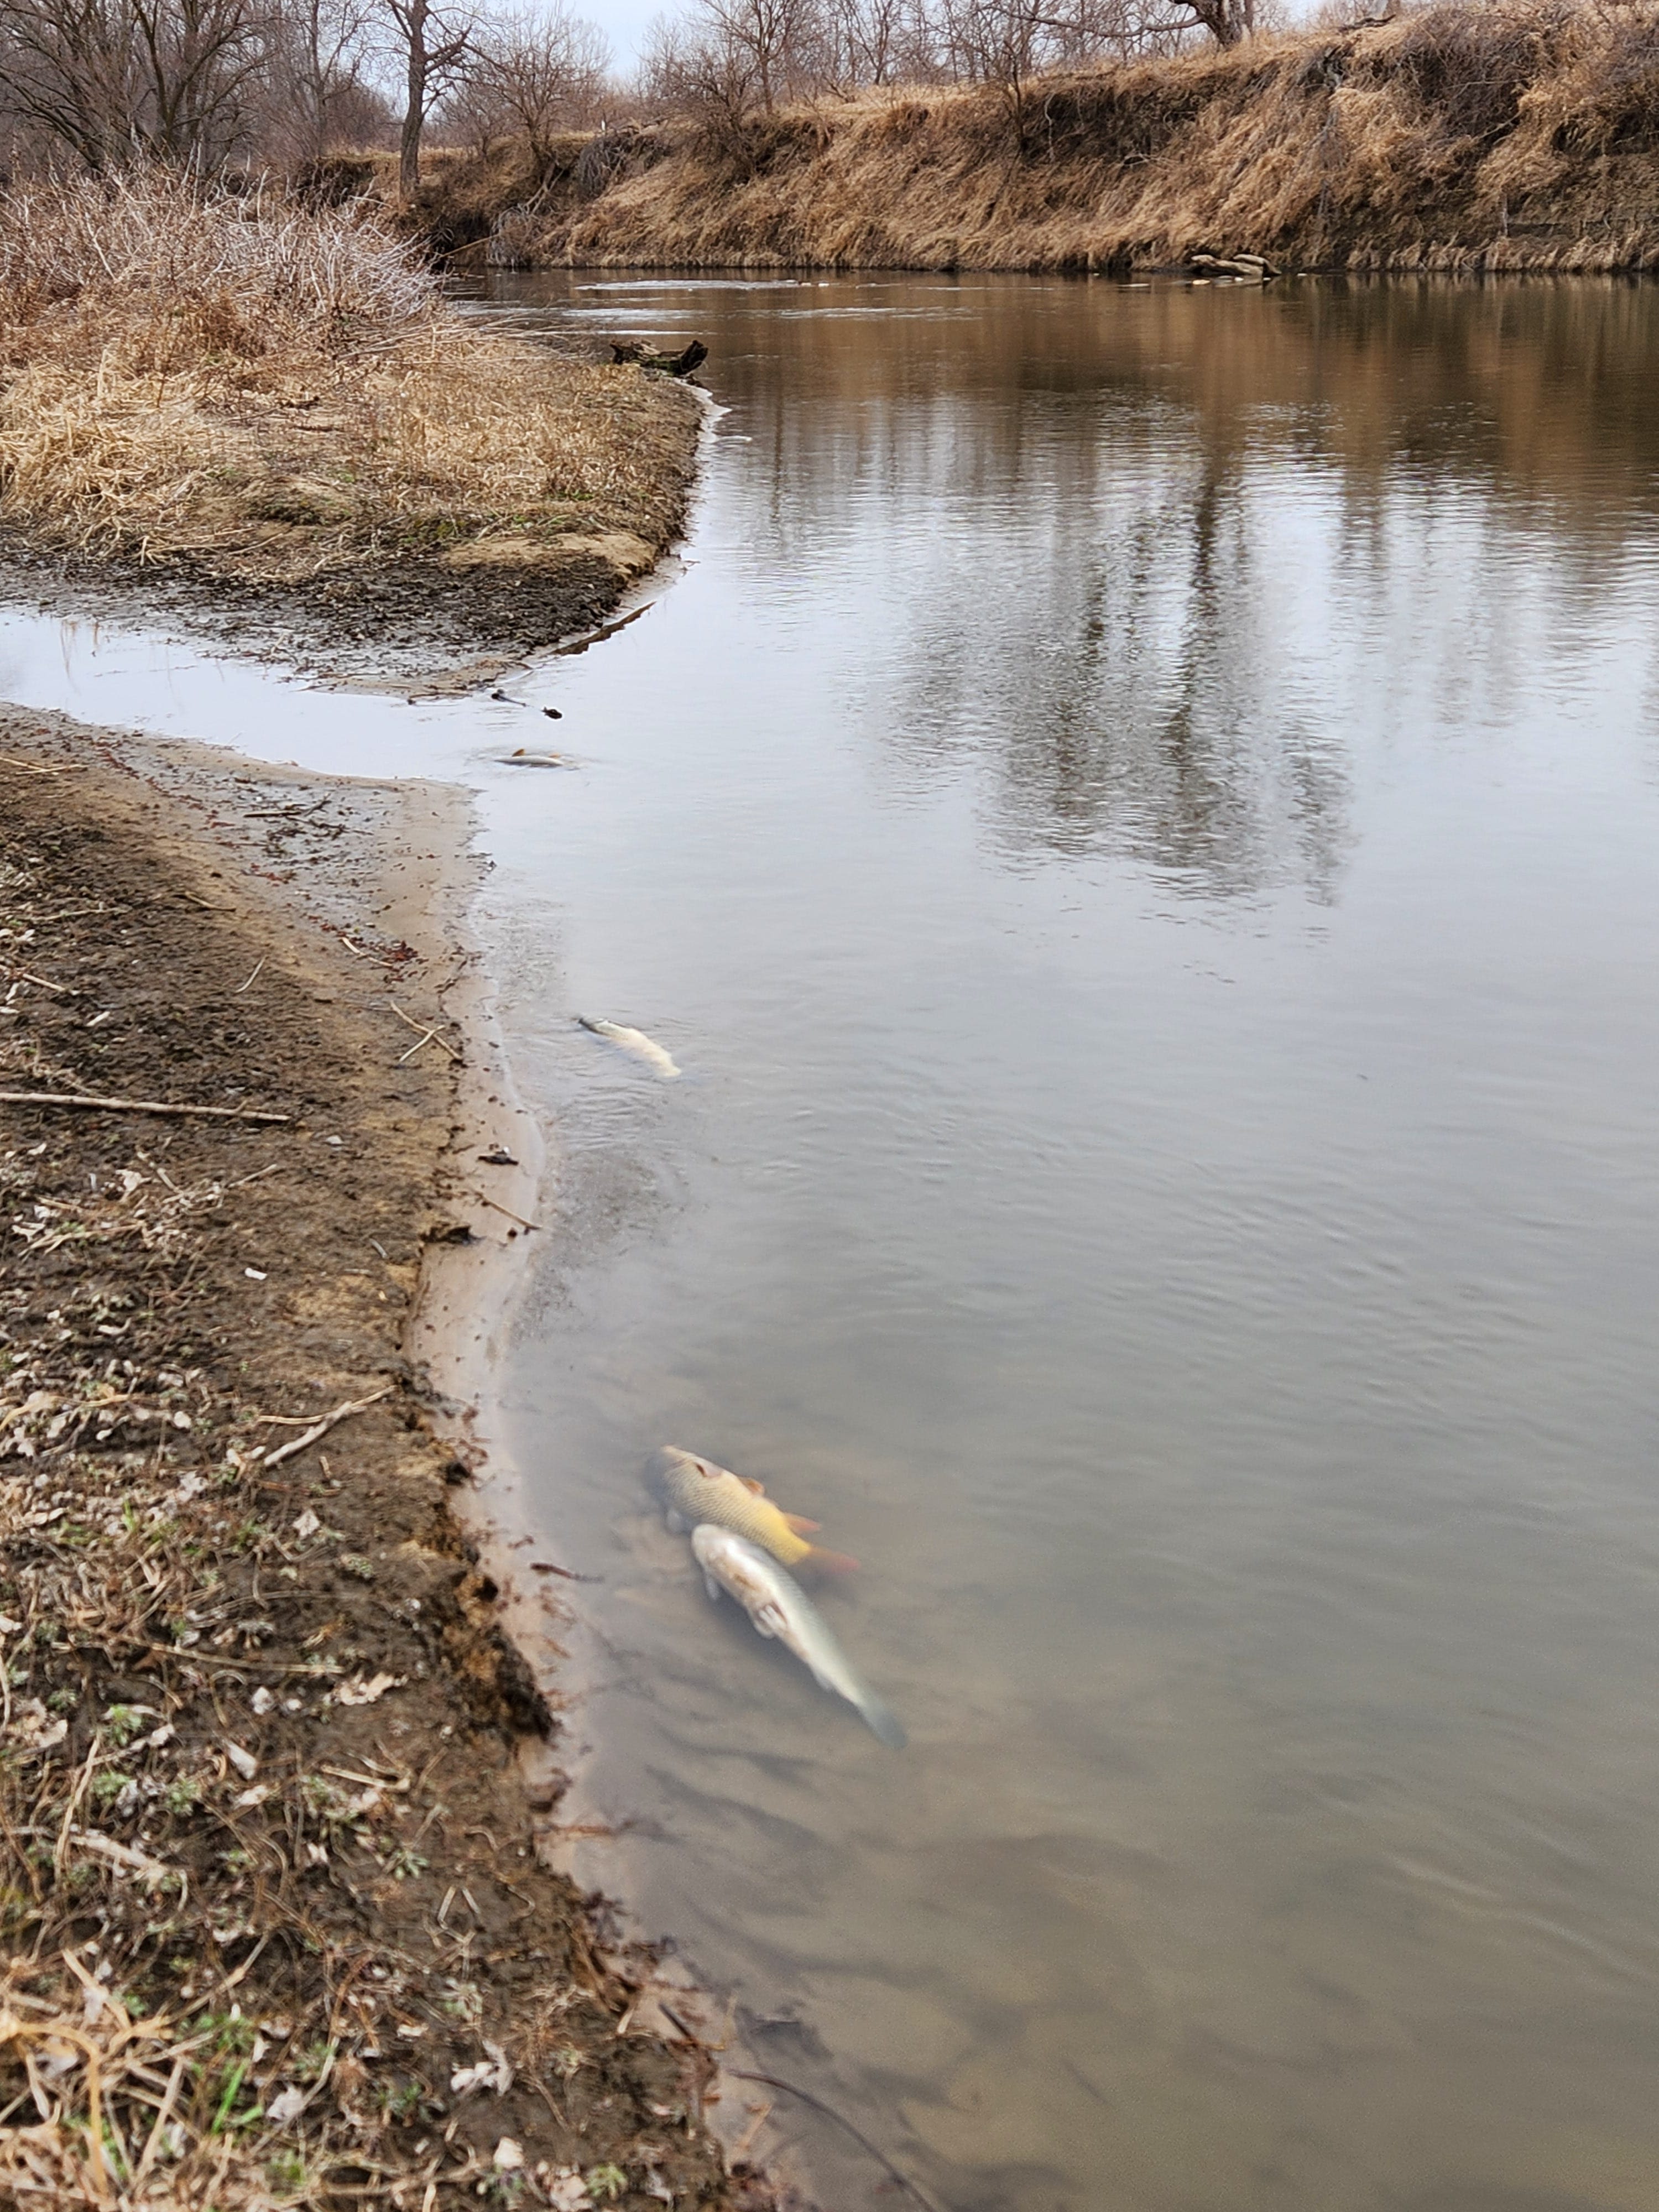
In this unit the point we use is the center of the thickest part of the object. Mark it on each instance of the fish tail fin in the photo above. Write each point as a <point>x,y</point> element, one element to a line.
<point>830,1563</point>
<point>882,1721</point>
<point>801,1525</point>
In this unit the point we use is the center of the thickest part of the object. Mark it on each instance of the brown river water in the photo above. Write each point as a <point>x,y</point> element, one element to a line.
<point>1140,825</point>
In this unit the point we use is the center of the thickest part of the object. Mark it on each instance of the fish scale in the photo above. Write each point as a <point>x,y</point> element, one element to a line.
<point>698,1490</point>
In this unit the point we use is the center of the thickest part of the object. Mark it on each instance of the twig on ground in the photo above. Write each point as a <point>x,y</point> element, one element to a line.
<point>903,2180</point>
<point>428,1035</point>
<point>507,1210</point>
<point>138,1106</point>
<point>252,980</point>
<point>28,976</point>
<point>297,1445</point>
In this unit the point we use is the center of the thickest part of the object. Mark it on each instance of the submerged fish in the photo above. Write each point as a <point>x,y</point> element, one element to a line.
<point>634,1041</point>
<point>696,1490</point>
<point>778,1606</point>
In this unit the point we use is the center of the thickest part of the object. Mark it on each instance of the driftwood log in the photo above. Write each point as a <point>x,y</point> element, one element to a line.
<point>671,364</point>
<point>1247,267</point>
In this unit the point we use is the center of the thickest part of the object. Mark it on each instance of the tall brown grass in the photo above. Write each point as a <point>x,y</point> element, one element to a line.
<point>271,391</point>
<point>1510,134</point>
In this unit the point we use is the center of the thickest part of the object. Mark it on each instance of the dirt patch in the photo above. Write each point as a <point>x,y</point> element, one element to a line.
<point>276,1931</point>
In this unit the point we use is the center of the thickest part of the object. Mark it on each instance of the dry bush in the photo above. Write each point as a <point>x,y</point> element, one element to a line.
<point>1511,134</point>
<point>275,275</point>
<point>273,391</point>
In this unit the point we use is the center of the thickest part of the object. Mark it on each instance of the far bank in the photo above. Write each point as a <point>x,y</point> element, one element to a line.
<point>1454,139</point>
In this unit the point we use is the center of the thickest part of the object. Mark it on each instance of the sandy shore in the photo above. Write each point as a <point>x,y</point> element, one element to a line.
<point>280,1796</point>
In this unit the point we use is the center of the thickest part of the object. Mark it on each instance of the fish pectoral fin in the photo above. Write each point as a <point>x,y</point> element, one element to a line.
<point>801,1525</point>
<point>712,1587</point>
<point>678,1523</point>
<point>768,1619</point>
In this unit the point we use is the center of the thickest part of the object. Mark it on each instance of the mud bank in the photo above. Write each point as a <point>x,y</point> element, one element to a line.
<point>278,1924</point>
<point>1454,139</point>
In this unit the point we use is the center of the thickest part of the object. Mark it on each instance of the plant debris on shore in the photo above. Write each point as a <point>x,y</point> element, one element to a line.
<point>277,405</point>
<point>277,1932</point>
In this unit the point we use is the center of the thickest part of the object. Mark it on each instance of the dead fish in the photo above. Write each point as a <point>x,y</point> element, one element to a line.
<point>525,758</point>
<point>778,1606</point>
<point>634,1041</point>
<point>696,1490</point>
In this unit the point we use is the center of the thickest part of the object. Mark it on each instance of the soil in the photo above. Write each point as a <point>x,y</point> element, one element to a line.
<point>408,623</point>
<point>277,1919</point>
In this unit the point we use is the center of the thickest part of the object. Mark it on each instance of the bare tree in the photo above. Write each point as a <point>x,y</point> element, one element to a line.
<point>121,80</point>
<point>688,66</point>
<point>72,69</point>
<point>430,44</point>
<point>730,56</point>
<point>318,76</point>
<point>536,74</point>
<point>874,42</point>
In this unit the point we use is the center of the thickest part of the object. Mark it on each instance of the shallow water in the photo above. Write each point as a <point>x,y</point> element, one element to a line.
<point>1139,826</point>
<point>1138,823</point>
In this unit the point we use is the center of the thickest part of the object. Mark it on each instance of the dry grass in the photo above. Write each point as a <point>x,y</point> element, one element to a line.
<point>267,392</point>
<point>1510,135</point>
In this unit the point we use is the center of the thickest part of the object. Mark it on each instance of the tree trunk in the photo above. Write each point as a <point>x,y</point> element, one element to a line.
<point>409,145</point>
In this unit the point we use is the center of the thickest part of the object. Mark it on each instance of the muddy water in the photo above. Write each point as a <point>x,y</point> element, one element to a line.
<point>1138,823</point>
<point>1139,827</point>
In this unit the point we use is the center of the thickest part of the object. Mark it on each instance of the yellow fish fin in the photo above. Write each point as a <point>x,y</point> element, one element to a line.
<point>801,1525</point>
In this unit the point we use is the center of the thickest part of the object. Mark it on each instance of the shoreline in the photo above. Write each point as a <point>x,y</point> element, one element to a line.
<point>410,621</point>
<point>400,952</point>
<point>1508,141</point>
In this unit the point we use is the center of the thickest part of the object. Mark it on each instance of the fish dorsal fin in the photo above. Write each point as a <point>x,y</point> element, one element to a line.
<point>768,1618</point>
<point>755,1489</point>
<point>801,1525</point>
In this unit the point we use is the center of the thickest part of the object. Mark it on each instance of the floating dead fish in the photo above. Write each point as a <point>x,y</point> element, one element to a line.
<point>634,1041</point>
<point>525,758</point>
<point>778,1606</point>
<point>696,1490</point>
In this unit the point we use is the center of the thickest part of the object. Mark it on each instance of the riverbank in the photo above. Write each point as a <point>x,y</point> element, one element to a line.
<point>266,423</point>
<point>278,1929</point>
<point>1454,139</point>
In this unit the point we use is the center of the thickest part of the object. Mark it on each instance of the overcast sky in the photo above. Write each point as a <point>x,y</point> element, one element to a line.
<point>623,22</point>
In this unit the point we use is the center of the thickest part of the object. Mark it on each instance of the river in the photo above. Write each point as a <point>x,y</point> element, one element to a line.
<point>1137,823</point>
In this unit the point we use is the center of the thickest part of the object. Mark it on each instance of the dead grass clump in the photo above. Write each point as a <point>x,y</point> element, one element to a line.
<point>226,272</point>
<point>275,391</point>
